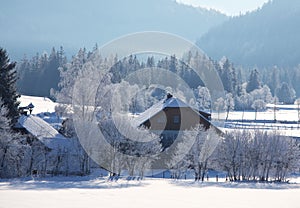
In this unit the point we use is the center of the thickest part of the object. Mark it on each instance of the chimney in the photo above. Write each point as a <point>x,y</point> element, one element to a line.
<point>169,95</point>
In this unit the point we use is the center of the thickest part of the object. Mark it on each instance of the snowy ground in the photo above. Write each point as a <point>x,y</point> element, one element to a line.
<point>92,191</point>
<point>41,104</point>
<point>286,120</point>
<point>281,115</point>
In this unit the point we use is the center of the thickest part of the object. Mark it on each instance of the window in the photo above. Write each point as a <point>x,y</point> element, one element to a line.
<point>176,119</point>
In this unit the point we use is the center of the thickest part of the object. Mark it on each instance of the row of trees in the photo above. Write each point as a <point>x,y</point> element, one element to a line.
<point>40,74</point>
<point>257,155</point>
<point>268,85</point>
<point>243,155</point>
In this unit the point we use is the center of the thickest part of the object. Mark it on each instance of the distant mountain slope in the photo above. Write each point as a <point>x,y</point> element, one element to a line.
<point>269,36</point>
<point>34,25</point>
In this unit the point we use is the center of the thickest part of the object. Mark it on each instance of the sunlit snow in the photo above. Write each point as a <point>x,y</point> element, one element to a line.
<point>92,191</point>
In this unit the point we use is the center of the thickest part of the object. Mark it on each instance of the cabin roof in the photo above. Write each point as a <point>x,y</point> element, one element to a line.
<point>43,131</point>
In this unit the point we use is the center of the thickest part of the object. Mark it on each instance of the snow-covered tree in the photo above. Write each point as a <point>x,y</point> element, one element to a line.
<point>245,100</point>
<point>130,148</point>
<point>142,148</point>
<point>14,153</point>
<point>297,102</point>
<point>198,156</point>
<point>219,105</point>
<point>68,75</point>
<point>229,155</point>
<point>144,99</point>
<point>275,102</point>
<point>254,81</point>
<point>286,94</point>
<point>246,155</point>
<point>228,76</point>
<point>229,104</point>
<point>274,80</point>
<point>263,93</point>
<point>258,105</point>
<point>6,136</point>
<point>203,98</point>
<point>179,155</point>
<point>212,139</point>
<point>82,80</point>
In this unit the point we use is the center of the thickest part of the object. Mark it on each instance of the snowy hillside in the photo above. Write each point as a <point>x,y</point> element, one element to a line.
<point>41,104</point>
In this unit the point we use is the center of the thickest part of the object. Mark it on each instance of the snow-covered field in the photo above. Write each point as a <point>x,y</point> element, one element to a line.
<point>286,120</point>
<point>92,191</point>
<point>281,115</point>
<point>41,104</point>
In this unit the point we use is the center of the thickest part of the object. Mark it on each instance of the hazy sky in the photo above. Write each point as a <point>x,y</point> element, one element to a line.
<point>230,7</point>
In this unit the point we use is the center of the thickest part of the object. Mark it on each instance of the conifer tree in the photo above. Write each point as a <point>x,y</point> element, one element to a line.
<point>8,94</point>
<point>254,81</point>
<point>286,94</point>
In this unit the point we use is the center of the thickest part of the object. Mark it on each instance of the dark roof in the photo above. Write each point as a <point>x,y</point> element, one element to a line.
<point>30,105</point>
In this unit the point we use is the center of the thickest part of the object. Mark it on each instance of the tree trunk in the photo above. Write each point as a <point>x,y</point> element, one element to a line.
<point>227,114</point>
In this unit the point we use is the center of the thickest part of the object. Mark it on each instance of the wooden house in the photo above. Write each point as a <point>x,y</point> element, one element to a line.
<point>170,116</point>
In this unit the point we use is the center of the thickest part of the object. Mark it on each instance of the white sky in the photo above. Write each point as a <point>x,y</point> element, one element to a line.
<point>229,7</point>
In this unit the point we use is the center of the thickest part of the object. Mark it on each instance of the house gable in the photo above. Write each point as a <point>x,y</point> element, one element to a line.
<point>172,114</point>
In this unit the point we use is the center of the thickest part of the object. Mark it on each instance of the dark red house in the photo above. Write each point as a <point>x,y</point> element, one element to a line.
<point>172,114</point>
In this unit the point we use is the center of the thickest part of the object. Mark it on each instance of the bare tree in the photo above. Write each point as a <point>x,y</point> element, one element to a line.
<point>297,102</point>
<point>229,104</point>
<point>220,106</point>
<point>258,105</point>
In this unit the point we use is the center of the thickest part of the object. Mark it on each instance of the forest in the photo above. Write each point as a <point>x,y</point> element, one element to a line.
<point>40,76</point>
<point>264,38</point>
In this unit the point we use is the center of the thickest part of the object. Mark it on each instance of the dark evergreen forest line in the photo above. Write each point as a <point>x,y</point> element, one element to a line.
<point>40,75</point>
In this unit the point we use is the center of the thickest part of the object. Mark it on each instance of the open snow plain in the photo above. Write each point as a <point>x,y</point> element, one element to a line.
<point>94,191</point>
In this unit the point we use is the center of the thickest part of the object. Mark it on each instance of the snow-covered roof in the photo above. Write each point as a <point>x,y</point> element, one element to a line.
<point>174,103</point>
<point>171,102</point>
<point>43,131</point>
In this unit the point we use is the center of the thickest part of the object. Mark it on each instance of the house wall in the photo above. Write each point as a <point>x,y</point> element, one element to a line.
<point>175,119</point>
